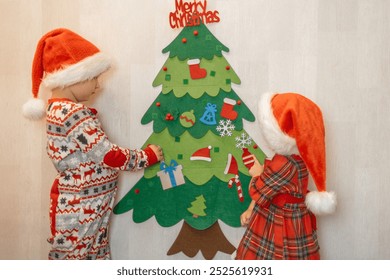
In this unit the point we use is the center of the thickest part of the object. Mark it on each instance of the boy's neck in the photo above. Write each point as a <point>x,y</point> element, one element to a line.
<point>63,93</point>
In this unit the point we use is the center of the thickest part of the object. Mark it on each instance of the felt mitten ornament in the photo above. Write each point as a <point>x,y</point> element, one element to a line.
<point>195,71</point>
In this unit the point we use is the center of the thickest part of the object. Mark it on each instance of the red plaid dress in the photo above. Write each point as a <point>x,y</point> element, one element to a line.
<point>281,227</point>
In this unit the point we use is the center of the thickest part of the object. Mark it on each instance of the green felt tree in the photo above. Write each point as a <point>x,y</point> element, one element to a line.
<point>198,121</point>
<point>197,207</point>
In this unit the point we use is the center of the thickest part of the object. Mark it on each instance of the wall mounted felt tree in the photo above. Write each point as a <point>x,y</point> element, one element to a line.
<point>198,121</point>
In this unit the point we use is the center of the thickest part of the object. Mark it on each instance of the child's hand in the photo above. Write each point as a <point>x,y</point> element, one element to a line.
<point>244,218</point>
<point>157,151</point>
<point>256,169</point>
<point>154,154</point>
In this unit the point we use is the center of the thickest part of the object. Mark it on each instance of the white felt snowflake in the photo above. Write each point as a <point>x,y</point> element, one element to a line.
<point>225,128</point>
<point>242,141</point>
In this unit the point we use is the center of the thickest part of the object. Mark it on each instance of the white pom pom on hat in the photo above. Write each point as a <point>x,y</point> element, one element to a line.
<point>34,109</point>
<point>62,58</point>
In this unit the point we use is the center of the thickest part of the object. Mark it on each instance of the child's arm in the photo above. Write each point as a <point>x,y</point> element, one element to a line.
<point>126,159</point>
<point>254,171</point>
<point>92,141</point>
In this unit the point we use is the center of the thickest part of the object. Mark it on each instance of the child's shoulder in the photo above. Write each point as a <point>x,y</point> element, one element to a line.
<point>276,162</point>
<point>62,109</point>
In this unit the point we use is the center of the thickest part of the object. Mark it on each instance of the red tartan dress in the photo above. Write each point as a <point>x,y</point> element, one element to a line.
<point>281,227</point>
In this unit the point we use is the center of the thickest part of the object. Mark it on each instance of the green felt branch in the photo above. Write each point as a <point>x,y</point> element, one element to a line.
<point>200,173</point>
<point>195,42</point>
<point>169,104</point>
<point>175,76</point>
<point>148,199</point>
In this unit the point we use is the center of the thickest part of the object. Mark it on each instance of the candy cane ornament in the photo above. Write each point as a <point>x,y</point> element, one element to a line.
<point>239,189</point>
<point>237,182</point>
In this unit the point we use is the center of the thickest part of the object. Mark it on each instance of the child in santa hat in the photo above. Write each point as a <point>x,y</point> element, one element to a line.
<point>83,192</point>
<point>280,220</point>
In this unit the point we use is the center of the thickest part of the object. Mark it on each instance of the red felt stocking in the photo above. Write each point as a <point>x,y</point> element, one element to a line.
<point>227,111</point>
<point>195,71</point>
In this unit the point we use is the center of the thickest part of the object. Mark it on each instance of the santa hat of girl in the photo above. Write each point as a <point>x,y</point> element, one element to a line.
<point>62,58</point>
<point>293,124</point>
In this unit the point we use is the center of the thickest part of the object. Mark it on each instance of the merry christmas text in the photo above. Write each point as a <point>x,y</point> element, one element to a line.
<point>191,14</point>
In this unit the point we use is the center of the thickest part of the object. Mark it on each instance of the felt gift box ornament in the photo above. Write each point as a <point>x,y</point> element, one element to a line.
<point>171,175</point>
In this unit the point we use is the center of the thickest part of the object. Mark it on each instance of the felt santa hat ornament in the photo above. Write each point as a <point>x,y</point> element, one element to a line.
<point>202,154</point>
<point>293,124</point>
<point>62,58</point>
<point>231,166</point>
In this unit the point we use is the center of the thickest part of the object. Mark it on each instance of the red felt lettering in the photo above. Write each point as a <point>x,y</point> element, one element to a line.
<point>191,14</point>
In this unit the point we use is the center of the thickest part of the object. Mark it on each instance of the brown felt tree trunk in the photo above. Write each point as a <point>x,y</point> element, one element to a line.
<point>209,241</point>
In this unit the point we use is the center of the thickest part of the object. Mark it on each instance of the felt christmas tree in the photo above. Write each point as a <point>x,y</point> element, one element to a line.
<point>198,121</point>
<point>197,207</point>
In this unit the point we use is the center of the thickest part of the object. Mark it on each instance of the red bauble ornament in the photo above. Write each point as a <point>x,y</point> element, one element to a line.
<point>184,40</point>
<point>196,32</point>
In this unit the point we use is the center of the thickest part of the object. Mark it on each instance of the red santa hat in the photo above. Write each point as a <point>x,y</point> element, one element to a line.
<point>62,58</point>
<point>293,124</point>
<point>231,166</point>
<point>202,154</point>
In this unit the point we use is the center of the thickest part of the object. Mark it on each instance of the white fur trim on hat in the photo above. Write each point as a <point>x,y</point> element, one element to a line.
<point>277,140</point>
<point>83,70</point>
<point>34,109</point>
<point>321,203</point>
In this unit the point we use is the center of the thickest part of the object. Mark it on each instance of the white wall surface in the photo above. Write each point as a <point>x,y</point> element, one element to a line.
<point>336,52</point>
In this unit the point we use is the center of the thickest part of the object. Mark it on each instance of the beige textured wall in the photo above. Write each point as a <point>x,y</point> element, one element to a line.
<point>335,52</point>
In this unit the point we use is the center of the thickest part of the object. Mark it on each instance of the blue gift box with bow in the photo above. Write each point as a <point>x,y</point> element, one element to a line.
<point>171,175</point>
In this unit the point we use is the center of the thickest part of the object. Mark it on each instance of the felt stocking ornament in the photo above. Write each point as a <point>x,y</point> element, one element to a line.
<point>195,71</point>
<point>227,111</point>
